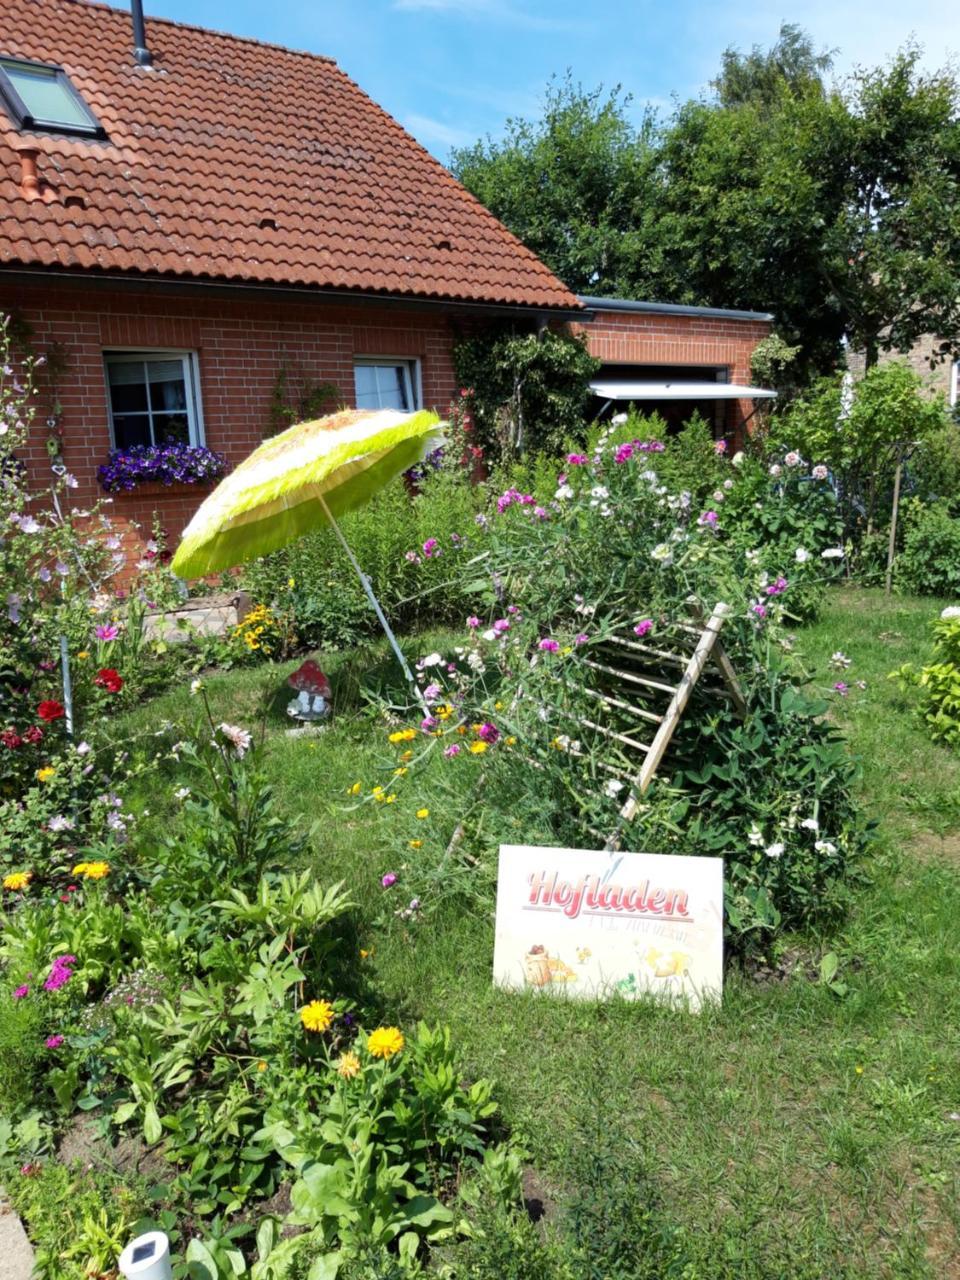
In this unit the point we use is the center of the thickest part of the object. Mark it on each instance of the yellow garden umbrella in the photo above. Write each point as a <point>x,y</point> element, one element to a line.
<point>301,479</point>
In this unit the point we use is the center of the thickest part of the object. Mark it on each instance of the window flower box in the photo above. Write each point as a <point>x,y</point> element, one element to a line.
<point>160,465</point>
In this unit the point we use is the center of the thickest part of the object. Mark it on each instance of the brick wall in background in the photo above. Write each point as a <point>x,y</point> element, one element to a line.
<point>241,346</point>
<point>638,337</point>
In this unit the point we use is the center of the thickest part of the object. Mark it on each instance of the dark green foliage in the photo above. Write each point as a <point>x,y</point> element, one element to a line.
<point>530,391</point>
<point>929,564</point>
<point>21,1051</point>
<point>764,78</point>
<point>933,472</point>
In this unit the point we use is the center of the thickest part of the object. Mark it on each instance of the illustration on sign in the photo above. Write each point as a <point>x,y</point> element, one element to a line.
<point>592,924</point>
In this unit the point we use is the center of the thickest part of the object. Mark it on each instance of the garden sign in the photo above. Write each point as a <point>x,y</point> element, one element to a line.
<point>594,924</point>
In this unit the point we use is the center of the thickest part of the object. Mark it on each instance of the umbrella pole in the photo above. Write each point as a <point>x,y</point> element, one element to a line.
<point>365,583</point>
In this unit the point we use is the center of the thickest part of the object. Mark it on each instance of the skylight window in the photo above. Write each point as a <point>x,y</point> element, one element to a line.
<point>42,98</point>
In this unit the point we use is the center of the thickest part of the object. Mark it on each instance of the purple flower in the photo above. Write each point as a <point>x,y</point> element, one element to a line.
<point>643,628</point>
<point>501,625</point>
<point>20,992</point>
<point>431,691</point>
<point>473,622</point>
<point>548,645</point>
<point>53,1042</point>
<point>541,513</point>
<point>720,447</point>
<point>582,638</point>
<point>624,453</point>
<point>388,880</point>
<point>452,750</point>
<point>106,632</point>
<point>709,518</point>
<point>841,688</point>
<point>411,557</point>
<point>173,463</point>
<point>431,548</point>
<point>577,459</point>
<point>488,732</point>
<point>61,972</point>
<point>760,610</point>
<point>777,588</point>
<point>428,723</point>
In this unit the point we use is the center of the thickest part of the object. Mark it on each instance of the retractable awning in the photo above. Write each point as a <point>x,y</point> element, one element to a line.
<point>678,391</point>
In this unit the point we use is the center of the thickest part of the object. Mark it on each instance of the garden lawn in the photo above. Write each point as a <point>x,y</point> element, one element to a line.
<point>794,1132</point>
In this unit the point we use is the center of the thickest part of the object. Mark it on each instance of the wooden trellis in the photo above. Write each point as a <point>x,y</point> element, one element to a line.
<point>629,687</point>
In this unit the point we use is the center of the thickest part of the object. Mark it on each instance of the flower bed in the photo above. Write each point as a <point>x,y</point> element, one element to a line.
<point>166,464</point>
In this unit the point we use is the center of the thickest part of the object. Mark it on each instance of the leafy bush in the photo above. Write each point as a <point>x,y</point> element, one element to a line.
<point>929,564</point>
<point>934,470</point>
<point>938,683</point>
<point>528,391</point>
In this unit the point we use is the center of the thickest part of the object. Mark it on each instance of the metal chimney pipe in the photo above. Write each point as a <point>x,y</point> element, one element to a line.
<point>140,51</point>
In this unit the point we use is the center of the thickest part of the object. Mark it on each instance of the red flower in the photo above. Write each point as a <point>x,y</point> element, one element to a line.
<point>50,710</point>
<point>33,735</point>
<point>109,679</point>
<point>10,738</point>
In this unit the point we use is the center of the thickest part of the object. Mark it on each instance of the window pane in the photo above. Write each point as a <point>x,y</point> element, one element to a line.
<point>129,397</point>
<point>365,382</point>
<point>43,94</point>
<point>170,428</point>
<point>130,429</point>
<point>381,386</point>
<point>167,388</point>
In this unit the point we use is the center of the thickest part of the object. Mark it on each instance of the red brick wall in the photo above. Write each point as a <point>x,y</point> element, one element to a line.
<point>638,337</point>
<point>241,346</point>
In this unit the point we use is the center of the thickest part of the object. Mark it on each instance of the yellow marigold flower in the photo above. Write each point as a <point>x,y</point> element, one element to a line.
<point>478,747</point>
<point>92,870</point>
<point>317,1015</point>
<point>423,813</point>
<point>355,789</point>
<point>261,1066</point>
<point>400,773</point>
<point>416,844</point>
<point>385,1042</point>
<point>46,773</point>
<point>403,735</point>
<point>348,1066</point>
<point>83,655</point>
<point>498,706</point>
<point>17,880</point>
<point>407,755</point>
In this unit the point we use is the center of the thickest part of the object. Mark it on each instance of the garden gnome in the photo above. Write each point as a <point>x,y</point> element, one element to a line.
<point>313,693</point>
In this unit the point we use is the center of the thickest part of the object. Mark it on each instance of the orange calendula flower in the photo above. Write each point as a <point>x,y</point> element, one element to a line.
<point>385,1042</point>
<point>17,881</point>
<point>317,1015</point>
<point>348,1066</point>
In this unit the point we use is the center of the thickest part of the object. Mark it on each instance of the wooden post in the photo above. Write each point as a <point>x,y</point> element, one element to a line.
<point>892,544</point>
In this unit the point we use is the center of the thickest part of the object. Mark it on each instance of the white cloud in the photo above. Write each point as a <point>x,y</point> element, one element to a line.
<point>426,131</point>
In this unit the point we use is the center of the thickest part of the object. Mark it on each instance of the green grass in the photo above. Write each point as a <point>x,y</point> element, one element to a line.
<point>790,1133</point>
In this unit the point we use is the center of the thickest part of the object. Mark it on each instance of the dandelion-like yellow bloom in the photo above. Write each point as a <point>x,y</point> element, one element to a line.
<point>92,870</point>
<point>423,813</point>
<point>385,1042</point>
<point>401,773</point>
<point>317,1015</point>
<point>403,735</point>
<point>46,773</point>
<point>17,880</point>
<point>478,748</point>
<point>261,1066</point>
<point>510,741</point>
<point>355,789</point>
<point>291,583</point>
<point>391,799</point>
<point>444,713</point>
<point>377,791</point>
<point>348,1066</point>
<point>407,755</point>
<point>416,844</point>
<point>83,655</point>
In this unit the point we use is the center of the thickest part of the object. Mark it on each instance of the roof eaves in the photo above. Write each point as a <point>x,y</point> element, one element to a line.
<point>671,309</point>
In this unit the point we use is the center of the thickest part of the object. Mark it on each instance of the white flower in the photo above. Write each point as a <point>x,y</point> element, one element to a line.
<point>84,748</point>
<point>737,458</point>
<point>663,553</point>
<point>756,836</point>
<point>820,472</point>
<point>605,509</point>
<point>238,738</point>
<point>801,555</point>
<point>618,419</point>
<point>774,850</point>
<point>718,495</point>
<point>612,788</point>
<point>475,663</point>
<point>839,660</point>
<point>752,557</point>
<point>810,824</point>
<point>951,611</point>
<point>563,493</point>
<point>29,525</point>
<point>196,686</point>
<point>793,459</point>
<point>728,484</point>
<point>598,493</point>
<point>832,553</point>
<point>181,793</point>
<point>489,634</point>
<point>432,660</point>
<point>775,470</point>
<point>825,846</point>
<point>60,823</point>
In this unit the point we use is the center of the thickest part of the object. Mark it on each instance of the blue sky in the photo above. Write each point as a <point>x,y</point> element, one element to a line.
<point>452,70</point>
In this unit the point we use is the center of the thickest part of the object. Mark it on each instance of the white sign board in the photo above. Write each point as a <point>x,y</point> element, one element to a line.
<point>593,924</point>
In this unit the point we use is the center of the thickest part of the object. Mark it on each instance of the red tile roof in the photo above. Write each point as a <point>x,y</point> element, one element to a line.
<point>222,133</point>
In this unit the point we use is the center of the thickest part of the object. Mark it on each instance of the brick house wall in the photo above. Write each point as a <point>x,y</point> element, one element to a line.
<point>657,338</point>
<point>241,346</point>
<point>941,376</point>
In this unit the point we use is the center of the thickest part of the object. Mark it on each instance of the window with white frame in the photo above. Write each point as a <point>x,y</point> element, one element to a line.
<point>382,383</point>
<point>153,397</point>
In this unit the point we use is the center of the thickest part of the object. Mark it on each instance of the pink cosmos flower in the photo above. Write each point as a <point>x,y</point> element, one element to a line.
<point>548,645</point>
<point>643,628</point>
<point>106,632</point>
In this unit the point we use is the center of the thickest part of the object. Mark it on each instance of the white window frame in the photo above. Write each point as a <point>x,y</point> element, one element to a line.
<point>410,367</point>
<point>191,381</point>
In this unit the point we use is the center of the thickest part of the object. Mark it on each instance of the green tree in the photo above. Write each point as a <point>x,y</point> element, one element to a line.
<point>578,187</point>
<point>764,77</point>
